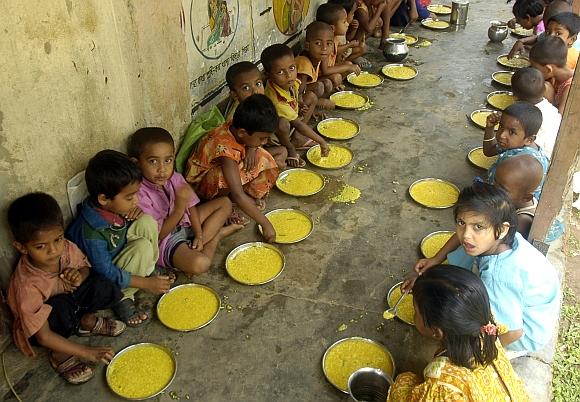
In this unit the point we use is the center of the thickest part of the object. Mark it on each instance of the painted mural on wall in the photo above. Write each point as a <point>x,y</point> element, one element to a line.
<point>289,14</point>
<point>215,40</point>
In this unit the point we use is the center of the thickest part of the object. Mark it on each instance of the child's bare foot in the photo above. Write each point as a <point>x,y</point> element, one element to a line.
<point>229,230</point>
<point>260,204</point>
<point>236,218</point>
<point>325,104</point>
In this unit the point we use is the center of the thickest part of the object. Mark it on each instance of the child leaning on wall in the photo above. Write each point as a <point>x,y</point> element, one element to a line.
<point>294,108</point>
<point>118,239</point>
<point>216,166</point>
<point>53,293</point>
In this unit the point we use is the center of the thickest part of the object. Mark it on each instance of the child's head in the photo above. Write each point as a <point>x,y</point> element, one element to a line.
<point>255,120</point>
<point>519,125</point>
<point>279,65</point>
<point>37,225</point>
<point>153,149</point>
<point>346,4</point>
<point>452,306</point>
<point>528,13</point>
<point>519,176</point>
<point>334,15</point>
<point>555,7</point>
<point>113,180</point>
<point>549,55</point>
<point>244,79</point>
<point>485,219</point>
<point>528,85</point>
<point>319,41</point>
<point>564,26</point>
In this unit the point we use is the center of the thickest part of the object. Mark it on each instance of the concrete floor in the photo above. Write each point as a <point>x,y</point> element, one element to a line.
<point>269,346</point>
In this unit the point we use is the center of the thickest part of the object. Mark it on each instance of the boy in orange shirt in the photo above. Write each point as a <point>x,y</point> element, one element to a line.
<point>566,26</point>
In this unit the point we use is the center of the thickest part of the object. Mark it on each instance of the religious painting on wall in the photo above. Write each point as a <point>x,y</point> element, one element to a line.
<point>289,14</point>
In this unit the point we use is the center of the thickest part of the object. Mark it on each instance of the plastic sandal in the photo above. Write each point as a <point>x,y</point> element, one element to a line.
<point>105,327</point>
<point>126,311</point>
<point>71,366</point>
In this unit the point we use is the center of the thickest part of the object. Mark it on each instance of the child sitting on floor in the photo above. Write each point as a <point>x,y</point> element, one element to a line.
<point>52,293</point>
<point>118,239</point>
<point>216,166</point>
<point>566,26</point>
<point>529,14</point>
<point>354,54</point>
<point>188,234</point>
<point>519,176</point>
<point>407,9</point>
<point>244,79</point>
<point>518,125</point>
<point>523,286</point>
<point>318,45</point>
<point>336,16</point>
<point>528,86</point>
<point>283,90</point>
<point>452,307</point>
<point>549,56</point>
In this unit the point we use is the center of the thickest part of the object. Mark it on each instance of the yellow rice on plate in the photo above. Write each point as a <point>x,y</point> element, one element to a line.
<point>255,265</point>
<point>477,157</point>
<point>364,79</point>
<point>348,100</point>
<point>406,310</point>
<point>399,72</point>
<point>516,62</point>
<point>434,193</point>
<point>521,31</point>
<point>300,182</point>
<point>346,357</point>
<point>141,371</point>
<point>409,39</point>
<point>188,307</point>
<point>291,226</point>
<point>435,24</point>
<point>501,100</point>
<point>338,157</point>
<point>338,129</point>
<point>439,9</point>
<point>504,78</point>
<point>434,242</point>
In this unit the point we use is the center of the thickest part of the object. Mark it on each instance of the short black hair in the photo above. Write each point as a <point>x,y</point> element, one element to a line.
<point>570,21</point>
<point>556,7</point>
<point>456,301</point>
<point>108,172</point>
<point>346,4</point>
<point>528,115</point>
<point>528,84</point>
<point>274,52</point>
<point>256,113</point>
<point>137,141</point>
<point>31,213</point>
<point>329,13</point>
<point>492,202</point>
<point>551,50</point>
<point>239,68</point>
<point>317,26</point>
<point>525,8</point>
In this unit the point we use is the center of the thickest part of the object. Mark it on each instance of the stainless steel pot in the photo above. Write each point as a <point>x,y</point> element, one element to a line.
<point>459,10</point>
<point>395,50</point>
<point>497,31</point>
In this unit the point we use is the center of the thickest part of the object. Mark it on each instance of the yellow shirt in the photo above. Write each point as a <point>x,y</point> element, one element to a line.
<point>572,58</point>
<point>304,66</point>
<point>444,381</point>
<point>285,102</point>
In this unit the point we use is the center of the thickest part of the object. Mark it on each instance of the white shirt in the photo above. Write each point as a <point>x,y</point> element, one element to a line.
<point>551,118</point>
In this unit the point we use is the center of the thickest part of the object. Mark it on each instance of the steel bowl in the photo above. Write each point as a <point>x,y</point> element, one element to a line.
<point>475,112</point>
<point>491,94</point>
<point>312,150</point>
<point>429,236</point>
<point>123,351</point>
<point>433,179</point>
<point>386,68</point>
<point>395,50</point>
<point>351,77</point>
<point>368,384</point>
<point>293,210</point>
<point>358,338</point>
<point>497,31</point>
<point>331,119</point>
<point>337,95</point>
<point>282,176</point>
<point>497,73</point>
<point>389,293</point>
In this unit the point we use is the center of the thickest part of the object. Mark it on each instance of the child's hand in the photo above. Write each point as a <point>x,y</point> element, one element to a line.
<point>424,264</point>
<point>324,149</point>
<point>197,242</point>
<point>268,232</point>
<point>353,43</point>
<point>493,119</point>
<point>512,23</point>
<point>183,195</point>
<point>134,214</point>
<point>354,24</point>
<point>72,277</point>
<point>355,69</point>
<point>159,284</point>
<point>250,160</point>
<point>409,281</point>
<point>98,354</point>
<point>433,17</point>
<point>517,48</point>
